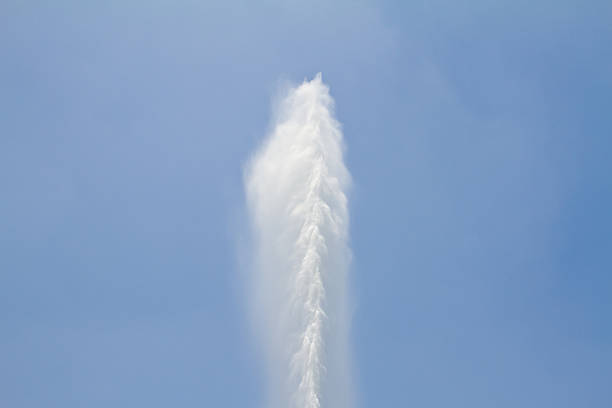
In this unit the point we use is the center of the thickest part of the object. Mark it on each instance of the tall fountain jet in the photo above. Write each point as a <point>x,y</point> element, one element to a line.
<point>296,188</point>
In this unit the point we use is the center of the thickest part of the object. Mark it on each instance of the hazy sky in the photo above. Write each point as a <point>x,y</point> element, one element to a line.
<point>479,138</point>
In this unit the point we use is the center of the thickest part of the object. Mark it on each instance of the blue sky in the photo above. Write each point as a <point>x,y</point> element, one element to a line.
<point>479,136</point>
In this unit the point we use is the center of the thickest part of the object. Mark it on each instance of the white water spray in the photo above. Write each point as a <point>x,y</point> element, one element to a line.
<point>296,191</point>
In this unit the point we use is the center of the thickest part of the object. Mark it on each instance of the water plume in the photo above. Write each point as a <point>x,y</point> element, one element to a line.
<point>296,187</point>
